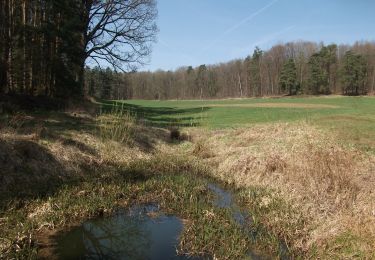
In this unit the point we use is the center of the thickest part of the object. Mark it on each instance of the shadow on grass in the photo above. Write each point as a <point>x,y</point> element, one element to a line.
<point>160,116</point>
<point>56,122</point>
<point>28,170</point>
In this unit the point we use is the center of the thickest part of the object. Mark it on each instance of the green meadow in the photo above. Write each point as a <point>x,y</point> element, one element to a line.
<point>351,118</point>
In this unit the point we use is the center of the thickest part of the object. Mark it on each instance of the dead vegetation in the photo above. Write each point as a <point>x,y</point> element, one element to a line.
<point>49,150</point>
<point>202,149</point>
<point>330,185</point>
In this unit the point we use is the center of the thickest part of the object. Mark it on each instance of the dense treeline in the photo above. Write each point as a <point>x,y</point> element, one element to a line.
<point>107,84</point>
<point>292,68</point>
<point>44,44</point>
<point>40,47</point>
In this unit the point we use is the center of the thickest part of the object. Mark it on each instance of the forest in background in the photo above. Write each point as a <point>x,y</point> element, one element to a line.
<point>285,69</point>
<point>45,44</point>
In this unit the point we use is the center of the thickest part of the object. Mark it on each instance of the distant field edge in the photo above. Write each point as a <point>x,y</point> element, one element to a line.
<point>254,98</point>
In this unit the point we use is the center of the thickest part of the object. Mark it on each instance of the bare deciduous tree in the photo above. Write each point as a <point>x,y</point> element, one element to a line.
<point>119,32</point>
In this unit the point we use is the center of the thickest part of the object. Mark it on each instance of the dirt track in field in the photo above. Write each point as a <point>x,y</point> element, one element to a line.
<point>276,105</point>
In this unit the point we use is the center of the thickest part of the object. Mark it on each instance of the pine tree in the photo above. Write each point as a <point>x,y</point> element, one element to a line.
<point>318,80</point>
<point>255,72</point>
<point>201,80</point>
<point>322,67</point>
<point>288,77</point>
<point>353,74</point>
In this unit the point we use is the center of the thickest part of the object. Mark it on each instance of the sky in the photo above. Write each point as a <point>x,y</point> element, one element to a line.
<point>195,32</point>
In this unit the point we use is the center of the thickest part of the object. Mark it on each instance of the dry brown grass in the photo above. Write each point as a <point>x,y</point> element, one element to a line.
<point>202,149</point>
<point>46,156</point>
<point>330,185</point>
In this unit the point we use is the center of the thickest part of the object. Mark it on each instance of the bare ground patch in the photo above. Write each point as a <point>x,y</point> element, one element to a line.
<point>276,105</point>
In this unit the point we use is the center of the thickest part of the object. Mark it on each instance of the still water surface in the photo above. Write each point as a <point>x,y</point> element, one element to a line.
<point>132,234</point>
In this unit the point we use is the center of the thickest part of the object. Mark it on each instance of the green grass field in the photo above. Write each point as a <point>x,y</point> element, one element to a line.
<point>352,118</point>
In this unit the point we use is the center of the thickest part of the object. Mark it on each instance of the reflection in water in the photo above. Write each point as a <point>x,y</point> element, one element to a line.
<point>133,234</point>
<point>127,235</point>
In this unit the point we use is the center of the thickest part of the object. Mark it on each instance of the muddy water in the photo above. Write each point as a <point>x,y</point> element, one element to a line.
<point>140,233</point>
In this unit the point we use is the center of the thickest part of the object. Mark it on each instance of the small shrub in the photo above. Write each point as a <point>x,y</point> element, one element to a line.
<point>175,133</point>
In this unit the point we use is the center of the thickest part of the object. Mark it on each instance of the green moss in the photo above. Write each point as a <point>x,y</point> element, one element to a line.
<point>345,246</point>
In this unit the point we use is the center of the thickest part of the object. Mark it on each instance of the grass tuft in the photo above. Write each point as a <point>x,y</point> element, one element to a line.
<point>117,125</point>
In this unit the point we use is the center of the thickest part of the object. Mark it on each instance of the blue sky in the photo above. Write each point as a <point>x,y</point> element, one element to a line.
<point>194,32</point>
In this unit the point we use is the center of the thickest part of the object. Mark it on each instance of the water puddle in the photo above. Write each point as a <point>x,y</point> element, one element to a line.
<point>139,233</point>
<point>142,232</point>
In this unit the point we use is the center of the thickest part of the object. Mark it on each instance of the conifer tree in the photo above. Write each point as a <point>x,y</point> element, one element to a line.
<point>353,74</point>
<point>288,77</point>
<point>255,72</point>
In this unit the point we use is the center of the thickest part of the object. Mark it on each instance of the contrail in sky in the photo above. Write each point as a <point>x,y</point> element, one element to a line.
<point>189,57</point>
<point>267,38</point>
<point>236,26</point>
<point>272,36</point>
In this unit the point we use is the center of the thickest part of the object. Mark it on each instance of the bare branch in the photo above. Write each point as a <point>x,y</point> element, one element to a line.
<point>120,32</point>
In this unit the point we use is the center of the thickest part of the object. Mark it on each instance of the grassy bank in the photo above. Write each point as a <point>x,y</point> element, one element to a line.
<point>304,178</point>
<point>325,185</point>
<point>64,168</point>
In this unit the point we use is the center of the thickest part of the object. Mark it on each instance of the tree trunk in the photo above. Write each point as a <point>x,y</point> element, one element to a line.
<point>240,84</point>
<point>10,45</point>
<point>23,85</point>
<point>373,81</point>
<point>4,47</point>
